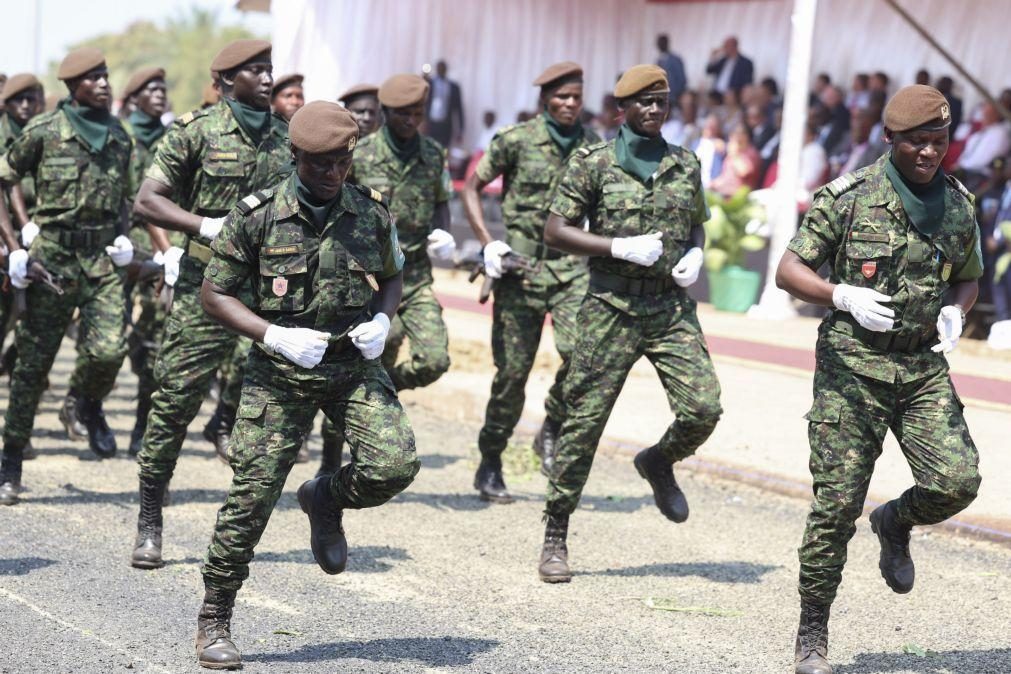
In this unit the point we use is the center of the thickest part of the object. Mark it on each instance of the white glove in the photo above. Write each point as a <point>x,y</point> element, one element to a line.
<point>121,251</point>
<point>370,337</point>
<point>686,271</point>
<point>862,303</point>
<point>17,267</point>
<point>642,250</point>
<point>28,233</point>
<point>949,329</point>
<point>211,227</point>
<point>493,253</point>
<point>302,346</point>
<point>171,259</point>
<point>441,244</point>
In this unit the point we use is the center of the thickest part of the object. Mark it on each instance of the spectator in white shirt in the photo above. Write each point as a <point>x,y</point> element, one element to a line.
<point>992,140</point>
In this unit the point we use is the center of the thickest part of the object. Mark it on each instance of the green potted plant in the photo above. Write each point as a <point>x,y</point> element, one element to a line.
<point>736,226</point>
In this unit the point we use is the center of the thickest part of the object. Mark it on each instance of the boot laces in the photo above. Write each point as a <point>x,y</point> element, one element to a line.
<point>815,637</point>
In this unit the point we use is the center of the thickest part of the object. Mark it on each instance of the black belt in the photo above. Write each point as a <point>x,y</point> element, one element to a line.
<point>901,342</point>
<point>410,257</point>
<point>630,286</point>
<point>81,238</point>
<point>534,249</point>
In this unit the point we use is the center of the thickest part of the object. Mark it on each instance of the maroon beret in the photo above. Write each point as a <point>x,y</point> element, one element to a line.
<point>237,53</point>
<point>321,127</point>
<point>80,62</point>
<point>402,90</point>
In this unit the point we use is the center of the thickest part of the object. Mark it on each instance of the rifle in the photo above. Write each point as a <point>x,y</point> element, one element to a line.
<point>38,274</point>
<point>512,263</point>
<point>143,268</point>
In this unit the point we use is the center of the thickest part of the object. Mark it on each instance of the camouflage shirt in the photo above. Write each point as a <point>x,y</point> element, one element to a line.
<point>857,225</point>
<point>143,157</point>
<point>303,277</point>
<point>531,165</point>
<point>27,183</point>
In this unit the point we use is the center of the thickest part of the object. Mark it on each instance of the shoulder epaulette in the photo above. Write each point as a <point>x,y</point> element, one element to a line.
<point>373,194</point>
<point>590,149</point>
<point>954,182</point>
<point>508,128</point>
<point>39,120</point>
<point>843,184</point>
<point>188,117</point>
<point>248,204</point>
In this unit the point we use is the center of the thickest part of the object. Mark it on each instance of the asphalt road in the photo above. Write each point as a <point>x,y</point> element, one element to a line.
<point>440,582</point>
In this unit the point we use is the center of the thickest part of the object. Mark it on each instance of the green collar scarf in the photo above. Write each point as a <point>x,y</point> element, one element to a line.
<point>565,137</point>
<point>316,209</point>
<point>924,204</point>
<point>404,150</point>
<point>639,155</point>
<point>15,128</point>
<point>91,124</point>
<point>255,122</point>
<point>146,128</point>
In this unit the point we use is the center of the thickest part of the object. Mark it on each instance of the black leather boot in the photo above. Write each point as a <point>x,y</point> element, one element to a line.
<point>895,562</point>
<point>811,653</point>
<point>554,566</point>
<point>140,424</point>
<point>218,430</point>
<point>70,416</point>
<point>656,469</point>
<point>333,448</point>
<point>544,444</point>
<point>489,481</point>
<point>326,531</point>
<point>10,475</point>
<point>100,437</point>
<point>147,548</point>
<point>215,648</point>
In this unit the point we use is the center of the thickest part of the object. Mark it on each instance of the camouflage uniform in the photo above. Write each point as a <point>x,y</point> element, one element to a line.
<point>413,190</point>
<point>79,199</point>
<point>632,311</point>
<point>866,383</point>
<point>210,163</point>
<point>326,278</point>
<point>531,165</point>
<point>27,183</point>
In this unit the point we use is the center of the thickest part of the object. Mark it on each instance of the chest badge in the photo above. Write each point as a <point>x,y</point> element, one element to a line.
<point>869,269</point>
<point>280,286</point>
<point>946,271</point>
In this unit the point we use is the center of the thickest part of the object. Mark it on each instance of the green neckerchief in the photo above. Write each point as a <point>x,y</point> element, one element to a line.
<point>16,128</point>
<point>404,150</point>
<point>91,124</point>
<point>639,155</point>
<point>923,203</point>
<point>146,128</point>
<point>255,122</point>
<point>565,137</point>
<point>317,209</point>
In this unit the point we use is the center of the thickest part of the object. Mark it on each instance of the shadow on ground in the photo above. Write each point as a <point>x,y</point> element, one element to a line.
<point>945,662</point>
<point>430,651</point>
<point>22,566</point>
<point>719,572</point>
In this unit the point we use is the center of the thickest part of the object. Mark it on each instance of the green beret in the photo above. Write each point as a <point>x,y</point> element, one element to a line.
<point>239,52</point>
<point>19,83</point>
<point>358,90</point>
<point>80,62</point>
<point>286,81</point>
<point>140,78</point>
<point>641,78</point>
<point>917,105</point>
<point>321,127</point>
<point>400,91</point>
<point>563,70</point>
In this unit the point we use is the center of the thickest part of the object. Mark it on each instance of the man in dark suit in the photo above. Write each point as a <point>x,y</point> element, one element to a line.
<point>445,107</point>
<point>729,68</point>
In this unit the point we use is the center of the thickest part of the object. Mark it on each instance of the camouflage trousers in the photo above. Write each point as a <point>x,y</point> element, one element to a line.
<point>517,322</point>
<point>101,345</point>
<point>419,319</point>
<point>274,415</point>
<point>846,428</point>
<point>232,372</point>
<point>609,343</point>
<point>146,336</point>
<point>193,348</point>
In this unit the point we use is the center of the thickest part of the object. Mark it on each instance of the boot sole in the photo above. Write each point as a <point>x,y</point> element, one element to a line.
<point>215,665</point>
<point>147,566</point>
<point>881,542</point>
<point>555,579</point>
<point>501,500</point>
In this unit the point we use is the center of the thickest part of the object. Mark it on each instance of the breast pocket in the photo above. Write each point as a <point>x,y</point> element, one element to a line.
<point>224,183</point>
<point>57,183</point>
<point>621,213</point>
<point>869,260</point>
<point>283,281</point>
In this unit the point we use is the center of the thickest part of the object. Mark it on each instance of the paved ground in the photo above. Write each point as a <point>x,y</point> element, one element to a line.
<point>440,582</point>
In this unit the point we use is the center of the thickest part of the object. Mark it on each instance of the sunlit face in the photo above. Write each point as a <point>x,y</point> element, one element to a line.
<point>646,112</point>
<point>92,89</point>
<point>152,99</point>
<point>323,174</point>
<point>25,105</point>
<point>565,103</point>
<point>288,100</point>
<point>251,83</point>
<point>918,153</point>
<point>365,110</point>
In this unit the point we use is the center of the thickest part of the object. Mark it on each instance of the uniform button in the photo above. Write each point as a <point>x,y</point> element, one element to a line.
<point>281,269</point>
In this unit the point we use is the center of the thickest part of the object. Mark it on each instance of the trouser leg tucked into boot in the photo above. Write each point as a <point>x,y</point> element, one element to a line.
<point>554,566</point>
<point>219,430</point>
<point>489,481</point>
<point>215,648</point>
<point>895,562</point>
<point>544,444</point>
<point>147,548</point>
<point>140,424</point>
<point>100,437</point>
<point>812,639</point>
<point>656,469</point>
<point>10,475</point>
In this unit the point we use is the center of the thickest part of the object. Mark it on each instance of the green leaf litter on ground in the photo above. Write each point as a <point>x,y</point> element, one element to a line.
<point>288,633</point>
<point>918,651</point>
<point>668,604</point>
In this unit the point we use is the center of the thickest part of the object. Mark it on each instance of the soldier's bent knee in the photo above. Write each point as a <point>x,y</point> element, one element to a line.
<point>961,491</point>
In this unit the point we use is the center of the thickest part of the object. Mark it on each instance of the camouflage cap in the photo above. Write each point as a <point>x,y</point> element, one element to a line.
<point>19,83</point>
<point>236,53</point>
<point>286,81</point>
<point>358,90</point>
<point>140,78</point>
<point>80,62</point>
<point>558,71</point>
<point>321,126</point>
<point>641,78</point>
<point>400,91</point>
<point>916,106</point>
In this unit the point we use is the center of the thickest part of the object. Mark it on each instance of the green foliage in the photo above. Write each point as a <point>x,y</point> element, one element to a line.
<point>184,46</point>
<point>727,236</point>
